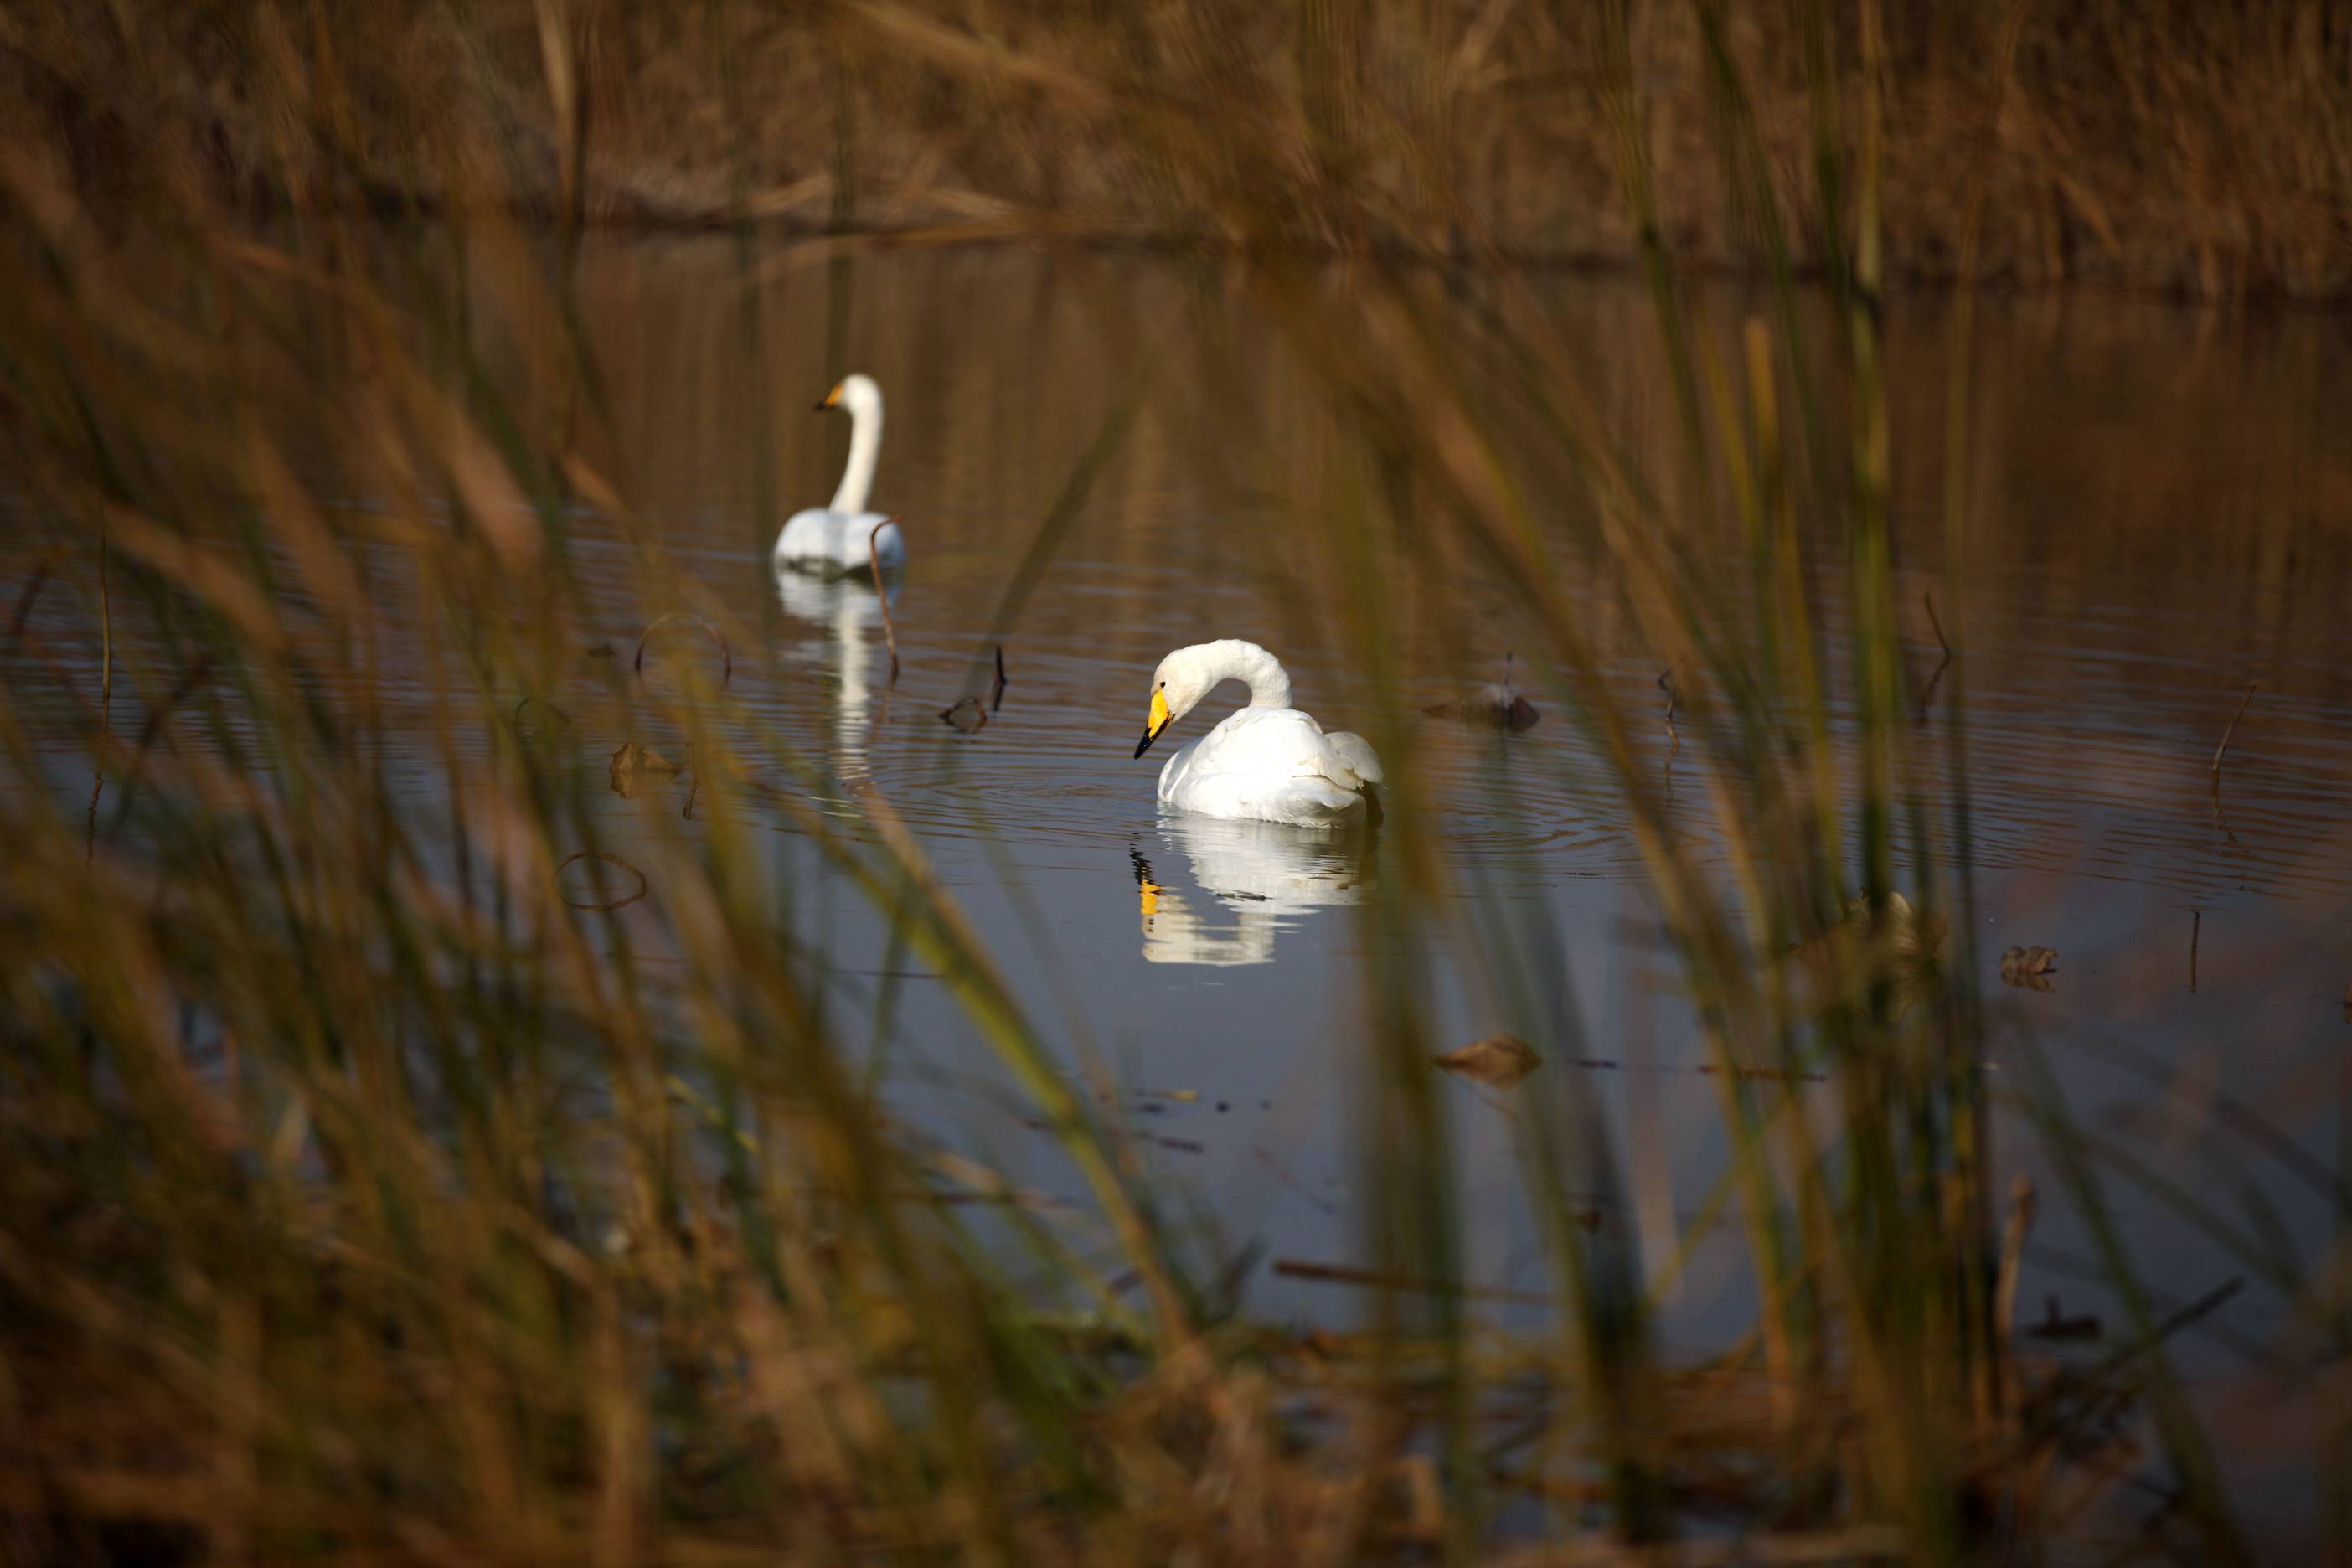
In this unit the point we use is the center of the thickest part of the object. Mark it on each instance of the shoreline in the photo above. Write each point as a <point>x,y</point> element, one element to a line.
<point>2195,155</point>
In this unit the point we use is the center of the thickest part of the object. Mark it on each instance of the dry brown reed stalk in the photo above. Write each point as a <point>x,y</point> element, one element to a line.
<point>629,1214</point>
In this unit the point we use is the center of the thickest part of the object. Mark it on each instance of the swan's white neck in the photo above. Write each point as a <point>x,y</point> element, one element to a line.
<point>864,450</point>
<point>1232,659</point>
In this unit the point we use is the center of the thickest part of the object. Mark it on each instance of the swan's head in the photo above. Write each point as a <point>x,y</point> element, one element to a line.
<point>1182,679</point>
<point>855,392</point>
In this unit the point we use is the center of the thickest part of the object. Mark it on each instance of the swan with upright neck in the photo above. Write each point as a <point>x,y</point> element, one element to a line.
<point>1269,762</point>
<point>844,538</point>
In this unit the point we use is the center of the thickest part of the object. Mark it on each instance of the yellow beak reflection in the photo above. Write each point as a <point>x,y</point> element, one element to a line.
<point>1153,722</point>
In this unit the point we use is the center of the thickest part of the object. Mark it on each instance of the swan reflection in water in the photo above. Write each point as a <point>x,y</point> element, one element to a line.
<point>1268,875</point>
<point>849,609</point>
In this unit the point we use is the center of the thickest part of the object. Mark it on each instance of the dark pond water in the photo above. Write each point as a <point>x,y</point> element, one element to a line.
<point>2161,513</point>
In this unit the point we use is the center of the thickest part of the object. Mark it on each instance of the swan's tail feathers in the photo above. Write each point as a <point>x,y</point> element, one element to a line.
<point>1319,803</point>
<point>1355,753</point>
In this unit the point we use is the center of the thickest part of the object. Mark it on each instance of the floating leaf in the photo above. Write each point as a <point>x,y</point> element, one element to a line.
<point>2028,967</point>
<point>636,766</point>
<point>966,713</point>
<point>1499,1060</point>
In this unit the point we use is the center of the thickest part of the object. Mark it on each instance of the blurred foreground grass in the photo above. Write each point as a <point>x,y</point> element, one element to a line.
<point>375,1196</point>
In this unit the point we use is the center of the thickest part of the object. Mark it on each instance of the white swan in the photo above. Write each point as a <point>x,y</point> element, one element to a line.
<point>1268,762</point>
<point>844,537</point>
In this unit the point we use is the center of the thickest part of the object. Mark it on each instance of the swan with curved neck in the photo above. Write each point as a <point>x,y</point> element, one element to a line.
<point>844,537</point>
<point>1268,762</point>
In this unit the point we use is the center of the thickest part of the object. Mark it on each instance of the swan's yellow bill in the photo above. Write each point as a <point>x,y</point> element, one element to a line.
<point>1154,722</point>
<point>832,399</point>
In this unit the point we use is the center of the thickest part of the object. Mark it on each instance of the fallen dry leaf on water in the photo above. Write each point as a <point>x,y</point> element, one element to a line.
<point>635,765</point>
<point>967,714</point>
<point>2029,966</point>
<point>1499,1060</point>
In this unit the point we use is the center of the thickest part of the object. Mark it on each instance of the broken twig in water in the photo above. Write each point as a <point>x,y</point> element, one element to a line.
<point>563,720</point>
<point>726,654</point>
<point>614,859</point>
<point>2196,925</point>
<point>889,632</point>
<point>2056,1325</point>
<point>1666,685</point>
<point>105,691</point>
<point>1943,664</point>
<point>1340,1274</point>
<point>996,692</point>
<point>2221,750</point>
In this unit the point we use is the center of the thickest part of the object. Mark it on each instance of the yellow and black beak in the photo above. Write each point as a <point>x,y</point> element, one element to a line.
<point>832,400</point>
<point>1158,721</point>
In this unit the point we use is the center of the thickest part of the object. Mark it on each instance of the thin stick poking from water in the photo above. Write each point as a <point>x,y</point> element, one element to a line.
<point>2220,750</point>
<point>1943,664</point>
<point>614,859</point>
<point>105,691</point>
<point>2196,926</point>
<point>1666,685</point>
<point>889,632</point>
<point>726,654</point>
<point>996,692</point>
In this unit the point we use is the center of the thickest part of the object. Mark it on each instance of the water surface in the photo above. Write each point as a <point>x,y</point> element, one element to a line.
<point>2159,513</point>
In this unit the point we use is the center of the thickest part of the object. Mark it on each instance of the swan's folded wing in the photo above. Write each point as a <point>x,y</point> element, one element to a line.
<point>808,535</point>
<point>1353,753</point>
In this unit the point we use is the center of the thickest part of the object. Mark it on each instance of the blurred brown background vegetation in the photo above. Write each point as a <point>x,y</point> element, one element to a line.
<point>2177,145</point>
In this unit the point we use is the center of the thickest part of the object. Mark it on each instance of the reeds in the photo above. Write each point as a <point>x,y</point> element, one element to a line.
<point>2164,145</point>
<point>373,1197</point>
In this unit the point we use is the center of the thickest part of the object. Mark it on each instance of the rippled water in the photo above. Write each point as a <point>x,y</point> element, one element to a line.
<point>2161,514</point>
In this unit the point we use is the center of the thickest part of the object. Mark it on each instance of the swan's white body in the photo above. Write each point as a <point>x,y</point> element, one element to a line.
<point>844,537</point>
<point>1269,762</point>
